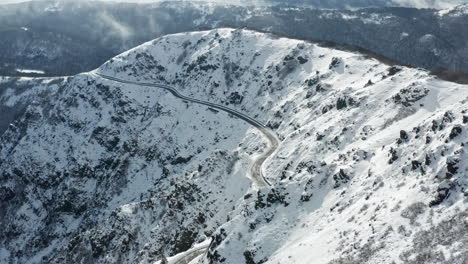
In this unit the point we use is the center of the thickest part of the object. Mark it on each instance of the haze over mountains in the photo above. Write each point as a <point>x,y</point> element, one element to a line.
<point>63,38</point>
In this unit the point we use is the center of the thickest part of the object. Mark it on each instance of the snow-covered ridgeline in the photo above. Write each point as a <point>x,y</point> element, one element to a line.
<point>371,167</point>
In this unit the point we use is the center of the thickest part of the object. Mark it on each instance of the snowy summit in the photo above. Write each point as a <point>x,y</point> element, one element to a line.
<point>370,163</point>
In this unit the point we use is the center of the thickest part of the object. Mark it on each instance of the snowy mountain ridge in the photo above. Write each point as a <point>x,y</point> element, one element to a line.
<point>371,167</point>
<point>455,11</point>
<point>57,39</point>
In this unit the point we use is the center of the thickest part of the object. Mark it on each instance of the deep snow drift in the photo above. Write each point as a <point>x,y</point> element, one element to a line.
<point>371,168</point>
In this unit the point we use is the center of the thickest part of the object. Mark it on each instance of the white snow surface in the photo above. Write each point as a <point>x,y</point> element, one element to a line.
<point>460,10</point>
<point>366,152</point>
<point>30,71</point>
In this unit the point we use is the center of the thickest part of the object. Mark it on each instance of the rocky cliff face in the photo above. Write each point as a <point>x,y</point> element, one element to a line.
<point>372,165</point>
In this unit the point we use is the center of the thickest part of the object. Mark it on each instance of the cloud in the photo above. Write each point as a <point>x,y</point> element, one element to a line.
<point>113,23</point>
<point>438,4</point>
<point>247,2</point>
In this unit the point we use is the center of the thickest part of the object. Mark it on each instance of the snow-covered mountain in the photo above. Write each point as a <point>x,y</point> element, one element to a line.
<point>371,165</point>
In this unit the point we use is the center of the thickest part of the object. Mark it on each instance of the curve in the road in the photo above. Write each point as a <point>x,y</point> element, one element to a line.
<point>256,170</point>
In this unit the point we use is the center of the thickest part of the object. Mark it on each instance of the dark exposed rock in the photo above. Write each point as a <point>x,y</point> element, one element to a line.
<point>185,240</point>
<point>200,64</point>
<point>394,70</point>
<point>213,255</point>
<point>403,137</point>
<point>309,94</point>
<point>443,192</point>
<point>272,197</point>
<point>181,160</point>
<point>335,63</point>
<point>306,197</point>
<point>274,124</point>
<point>393,156</point>
<point>313,81</point>
<point>435,126</point>
<point>438,125</point>
<point>408,96</point>
<point>340,178</point>
<point>456,131</point>
<point>415,165</point>
<point>321,87</point>
<point>288,58</point>
<point>249,256</point>
<point>341,103</point>
<point>452,166</point>
<point>275,196</point>
<point>428,139</point>
<point>448,117</point>
<point>319,137</point>
<point>428,160</point>
<point>327,108</point>
<point>344,102</point>
<point>235,98</point>
<point>302,60</point>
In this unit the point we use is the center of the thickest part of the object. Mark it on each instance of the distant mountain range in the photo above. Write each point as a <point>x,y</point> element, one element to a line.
<point>338,4</point>
<point>63,38</point>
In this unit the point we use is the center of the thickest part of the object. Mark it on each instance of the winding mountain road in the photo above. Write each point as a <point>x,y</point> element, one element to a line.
<point>256,169</point>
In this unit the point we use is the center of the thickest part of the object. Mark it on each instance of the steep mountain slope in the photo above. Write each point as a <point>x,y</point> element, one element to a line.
<point>16,94</point>
<point>371,167</point>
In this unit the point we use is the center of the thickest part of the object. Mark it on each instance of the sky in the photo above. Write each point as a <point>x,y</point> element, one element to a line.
<point>407,3</point>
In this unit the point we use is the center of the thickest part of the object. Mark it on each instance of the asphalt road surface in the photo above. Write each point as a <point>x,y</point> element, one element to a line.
<point>256,170</point>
